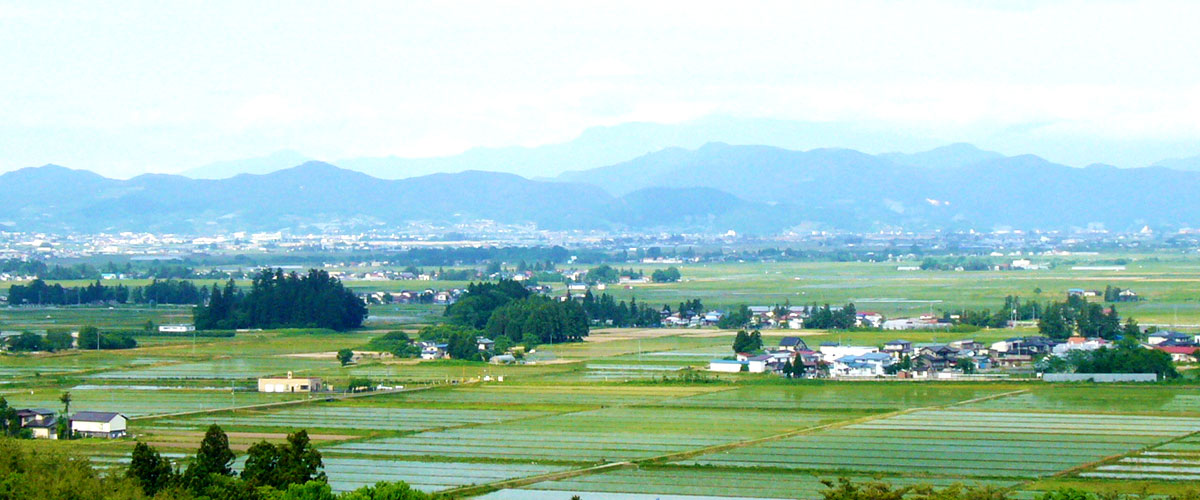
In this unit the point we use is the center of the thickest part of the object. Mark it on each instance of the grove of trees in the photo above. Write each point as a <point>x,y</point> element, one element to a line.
<point>506,309</point>
<point>278,300</point>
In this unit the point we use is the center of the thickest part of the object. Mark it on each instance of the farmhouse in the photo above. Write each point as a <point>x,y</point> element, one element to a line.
<point>98,424</point>
<point>898,348</point>
<point>1169,337</point>
<point>485,344</point>
<point>1179,354</point>
<point>792,344</point>
<point>40,422</point>
<point>289,384</point>
<point>866,365</point>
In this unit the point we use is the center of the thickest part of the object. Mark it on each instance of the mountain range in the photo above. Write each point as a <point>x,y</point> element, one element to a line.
<point>714,187</point>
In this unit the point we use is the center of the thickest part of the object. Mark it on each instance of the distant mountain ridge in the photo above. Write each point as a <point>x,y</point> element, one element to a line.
<point>715,187</point>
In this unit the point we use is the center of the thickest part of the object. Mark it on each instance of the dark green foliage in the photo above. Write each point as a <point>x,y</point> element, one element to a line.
<point>398,343</point>
<point>276,300</point>
<point>357,384</point>
<point>1125,358</point>
<point>345,356</point>
<point>38,292</point>
<point>10,425</point>
<point>90,335</point>
<point>825,317</point>
<point>1077,316</point>
<point>26,342</point>
<point>475,307</point>
<point>747,342</point>
<point>293,463</point>
<point>538,320</point>
<point>58,340</point>
<point>668,275</point>
<point>213,459</point>
<point>737,318</point>
<point>167,292</point>
<point>608,311</point>
<point>151,471</point>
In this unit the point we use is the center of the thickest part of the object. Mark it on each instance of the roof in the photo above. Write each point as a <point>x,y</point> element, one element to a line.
<point>899,341</point>
<point>95,416</point>
<point>791,341</point>
<point>726,362</point>
<point>28,412</point>
<point>1178,349</point>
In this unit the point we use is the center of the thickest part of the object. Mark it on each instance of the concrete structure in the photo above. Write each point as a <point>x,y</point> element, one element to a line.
<point>98,424</point>
<point>289,384</point>
<point>176,328</point>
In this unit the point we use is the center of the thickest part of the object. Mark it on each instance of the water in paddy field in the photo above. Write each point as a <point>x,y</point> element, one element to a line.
<point>588,495</point>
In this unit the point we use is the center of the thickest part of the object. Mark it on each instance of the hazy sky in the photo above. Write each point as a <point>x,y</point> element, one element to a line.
<point>129,87</point>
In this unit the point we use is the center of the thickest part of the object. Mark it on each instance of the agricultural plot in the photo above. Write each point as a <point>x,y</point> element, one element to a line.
<point>709,482</point>
<point>1101,399</point>
<point>549,445</point>
<point>20,366</point>
<point>840,396</point>
<point>352,417</point>
<point>962,443</point>
<point>1174,461</point>
<point>593,436</point>
<point>569,396</point>
<point>135,401</point>
<point>219,369</point>
<point>350,473</point>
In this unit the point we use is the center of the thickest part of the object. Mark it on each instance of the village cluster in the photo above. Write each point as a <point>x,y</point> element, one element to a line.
<point>900,358</point>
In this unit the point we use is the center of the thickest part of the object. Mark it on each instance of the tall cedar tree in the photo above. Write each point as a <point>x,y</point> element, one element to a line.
<point>150,469</point>
<point>276,300</point>
<point>278,466</point>
<point>214,458</point>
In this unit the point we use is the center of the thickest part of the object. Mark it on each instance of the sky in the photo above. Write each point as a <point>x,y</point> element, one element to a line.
<point>125,88</point>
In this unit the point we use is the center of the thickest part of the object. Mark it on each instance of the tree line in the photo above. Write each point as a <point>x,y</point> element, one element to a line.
<point>606,310</point>
<point>292,470</point>
<point>170,291</point>
<point>278,300</point>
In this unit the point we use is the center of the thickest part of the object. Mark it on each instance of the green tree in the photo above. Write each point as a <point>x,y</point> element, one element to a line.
<point>398,490</point>
<point>345,356</point>
<point>150,469</point>
<point>214,458</point>
<point>65,399</point>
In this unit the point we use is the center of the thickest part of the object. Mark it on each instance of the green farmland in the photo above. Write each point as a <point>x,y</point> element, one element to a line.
<point>630,413</point>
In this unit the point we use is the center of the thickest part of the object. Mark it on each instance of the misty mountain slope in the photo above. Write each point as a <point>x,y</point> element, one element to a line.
<point>716,187</point>
<point>948,156</point>
<point>313,195</point>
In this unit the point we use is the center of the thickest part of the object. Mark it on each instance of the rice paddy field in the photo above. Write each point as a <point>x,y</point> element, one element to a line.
<point>624,415</point>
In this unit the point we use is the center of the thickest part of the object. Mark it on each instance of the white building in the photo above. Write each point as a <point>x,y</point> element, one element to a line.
<point>176,328</point>
<point>867,365</point>
<point>725,365</point>
<point>831,353</point>
<point>98,424</point>
<point>289,384</point>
